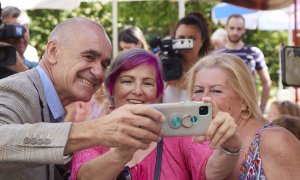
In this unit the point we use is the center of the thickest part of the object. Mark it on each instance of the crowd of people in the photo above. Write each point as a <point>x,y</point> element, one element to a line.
<point>80,114</point>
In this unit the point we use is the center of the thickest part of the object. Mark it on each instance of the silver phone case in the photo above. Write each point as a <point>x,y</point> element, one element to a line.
<point>184,109</point>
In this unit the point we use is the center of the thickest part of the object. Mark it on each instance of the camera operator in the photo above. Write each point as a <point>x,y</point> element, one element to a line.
<point>14,15</point>
<point>192,26</point>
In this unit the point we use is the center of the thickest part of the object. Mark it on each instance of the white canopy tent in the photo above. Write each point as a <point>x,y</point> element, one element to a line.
<point>279,19</point>
<point>72,4</point>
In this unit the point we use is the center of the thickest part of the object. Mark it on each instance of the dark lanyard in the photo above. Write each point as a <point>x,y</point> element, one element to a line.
<point>158,160</point>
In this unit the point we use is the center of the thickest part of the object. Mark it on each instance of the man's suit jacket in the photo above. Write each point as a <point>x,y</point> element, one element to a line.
<point>29,143</point>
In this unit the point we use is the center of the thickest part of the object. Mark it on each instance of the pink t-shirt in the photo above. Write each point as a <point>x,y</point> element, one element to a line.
<point>181,159</point>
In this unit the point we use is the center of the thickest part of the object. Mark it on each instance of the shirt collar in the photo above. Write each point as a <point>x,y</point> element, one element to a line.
<point>52,97</point>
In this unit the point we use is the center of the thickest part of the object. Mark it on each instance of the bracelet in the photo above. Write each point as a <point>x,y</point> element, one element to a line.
<point>226,151</point>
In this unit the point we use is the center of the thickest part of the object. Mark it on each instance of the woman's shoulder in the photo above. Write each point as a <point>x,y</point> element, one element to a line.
<point>278,140</point>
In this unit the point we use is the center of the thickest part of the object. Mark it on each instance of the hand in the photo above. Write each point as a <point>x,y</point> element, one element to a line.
<point>133,126</point>
<point>222,129</point>
<point>19,66</point>
<point>81,110</point>
<point>123,154</point>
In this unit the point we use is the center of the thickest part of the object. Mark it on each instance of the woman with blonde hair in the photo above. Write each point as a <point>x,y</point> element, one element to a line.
<point>267,152</point>
<point>285,107</point>
<point>181,158</point>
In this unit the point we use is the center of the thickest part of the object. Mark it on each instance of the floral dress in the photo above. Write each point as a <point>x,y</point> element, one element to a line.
<point>252,168</point>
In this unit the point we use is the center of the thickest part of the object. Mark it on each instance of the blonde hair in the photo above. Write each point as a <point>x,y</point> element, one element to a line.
<point>219,34</point>
<point>238,75</point>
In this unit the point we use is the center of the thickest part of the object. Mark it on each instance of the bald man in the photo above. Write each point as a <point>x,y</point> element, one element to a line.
<point>33,134</point>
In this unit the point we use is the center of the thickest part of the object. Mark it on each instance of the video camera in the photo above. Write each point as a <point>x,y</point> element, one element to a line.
<point>8,31</point>
<point>169,54</point>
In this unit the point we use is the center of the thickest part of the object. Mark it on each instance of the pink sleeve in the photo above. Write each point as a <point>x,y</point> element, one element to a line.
<point>196,157</point>
<point>81,157</point>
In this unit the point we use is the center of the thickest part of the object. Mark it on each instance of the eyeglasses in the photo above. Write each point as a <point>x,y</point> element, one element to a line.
<point>124,174</point>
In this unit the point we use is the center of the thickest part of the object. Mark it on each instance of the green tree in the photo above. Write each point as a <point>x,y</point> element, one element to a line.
<point>155,18</point>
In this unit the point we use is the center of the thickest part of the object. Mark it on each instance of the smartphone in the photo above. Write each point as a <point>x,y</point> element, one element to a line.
<point>185,118</point>
<point>290,66</point>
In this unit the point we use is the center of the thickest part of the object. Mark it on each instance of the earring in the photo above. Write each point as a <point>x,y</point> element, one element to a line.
<point>111,107</point>
<point>111,104</point>
<point>244,114</point>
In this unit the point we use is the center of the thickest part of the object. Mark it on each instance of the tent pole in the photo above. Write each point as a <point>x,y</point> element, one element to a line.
<point>181,9</point>
<point>115,27</point>
<point>295,42</point>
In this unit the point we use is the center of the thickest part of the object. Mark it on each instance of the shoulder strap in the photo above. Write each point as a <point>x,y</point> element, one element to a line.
<point>158,160</point>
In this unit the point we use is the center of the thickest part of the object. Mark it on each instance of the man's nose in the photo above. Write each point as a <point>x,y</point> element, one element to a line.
<point>97,70</point>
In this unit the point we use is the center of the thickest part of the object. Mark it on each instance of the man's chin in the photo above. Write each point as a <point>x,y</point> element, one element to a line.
<point>84,98</point>
<point>235,40</point>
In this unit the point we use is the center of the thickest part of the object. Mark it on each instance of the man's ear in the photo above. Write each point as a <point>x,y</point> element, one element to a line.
<point>52,52</point>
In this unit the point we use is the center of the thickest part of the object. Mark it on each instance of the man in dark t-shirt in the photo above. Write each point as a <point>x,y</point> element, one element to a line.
<point>252,56</point>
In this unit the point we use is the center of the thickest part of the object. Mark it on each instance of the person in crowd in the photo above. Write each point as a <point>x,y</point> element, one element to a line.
<point>181,157</point>
<point>132,37</point>
<point>252,56</point>
<point>267,152</point>
<point>31,53</point>
<point>285,107</point>
<point>291,123</point>
<point>219,38</point>
<point>33,136</point>
<point>193,26</point>
<point>11,14</point>
<point>286,114</point>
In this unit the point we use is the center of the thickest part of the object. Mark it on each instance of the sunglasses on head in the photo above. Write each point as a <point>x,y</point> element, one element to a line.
<point>124,174</point>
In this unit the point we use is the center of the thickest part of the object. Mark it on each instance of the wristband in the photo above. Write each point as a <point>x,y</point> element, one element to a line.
<point>226,151</point>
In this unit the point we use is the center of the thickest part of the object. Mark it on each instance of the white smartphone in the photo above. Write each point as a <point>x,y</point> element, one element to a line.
<point>185,118</point>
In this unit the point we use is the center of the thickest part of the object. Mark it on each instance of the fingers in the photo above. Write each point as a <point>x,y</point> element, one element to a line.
<point>199,139</point>
<point>142,134</point>
<point>215,108</point>
<point>221,129</point>
<point>132,125</point>
<point>146,111</point>
<point>231,131</point>
<point>138,138</point>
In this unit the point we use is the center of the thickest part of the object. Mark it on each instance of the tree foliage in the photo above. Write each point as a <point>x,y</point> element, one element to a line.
<point>155,18</point>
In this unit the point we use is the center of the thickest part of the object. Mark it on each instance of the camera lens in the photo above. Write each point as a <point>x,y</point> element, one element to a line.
<point>3,54</point>
<point>203,110</point>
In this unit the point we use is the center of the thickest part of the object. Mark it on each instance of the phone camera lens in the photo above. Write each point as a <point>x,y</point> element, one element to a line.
<point>203,110</point>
